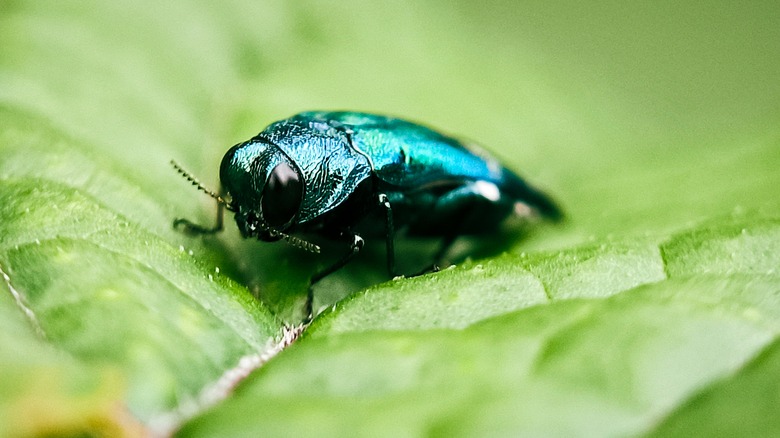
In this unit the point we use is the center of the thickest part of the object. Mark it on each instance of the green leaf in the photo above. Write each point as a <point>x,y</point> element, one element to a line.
<point>101,292</point>
<point>608,366</point>
<point>652,309</point>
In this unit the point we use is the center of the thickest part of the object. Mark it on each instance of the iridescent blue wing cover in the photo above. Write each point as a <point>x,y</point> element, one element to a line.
<point>411,157</point>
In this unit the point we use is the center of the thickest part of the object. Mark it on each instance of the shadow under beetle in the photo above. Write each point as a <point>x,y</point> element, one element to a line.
<point>343,175</point>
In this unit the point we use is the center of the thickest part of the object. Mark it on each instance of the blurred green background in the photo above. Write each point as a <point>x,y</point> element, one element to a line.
<point>655,125</point>
<point>586,99</point>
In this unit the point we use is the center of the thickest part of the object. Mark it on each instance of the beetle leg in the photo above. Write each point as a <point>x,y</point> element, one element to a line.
<point>194,229</point>
<point>444,247</point>
<point>467,209</point>
<point>355,246</point>
<point>389,234</point>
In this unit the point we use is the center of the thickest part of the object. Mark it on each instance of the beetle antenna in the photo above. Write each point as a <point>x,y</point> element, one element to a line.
<point>194,181</point>
<point>292,240</point>
<point>300,243</point>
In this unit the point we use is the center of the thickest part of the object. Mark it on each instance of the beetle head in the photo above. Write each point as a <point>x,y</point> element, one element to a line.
<point>266,189</point>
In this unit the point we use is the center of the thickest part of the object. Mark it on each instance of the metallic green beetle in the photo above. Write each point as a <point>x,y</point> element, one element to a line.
<point>344,175</point>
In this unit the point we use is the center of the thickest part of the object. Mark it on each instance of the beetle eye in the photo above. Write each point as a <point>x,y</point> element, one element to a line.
<point>282,195</point>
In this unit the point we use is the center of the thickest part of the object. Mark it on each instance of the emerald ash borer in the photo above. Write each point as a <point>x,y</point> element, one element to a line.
<point>345,175</point>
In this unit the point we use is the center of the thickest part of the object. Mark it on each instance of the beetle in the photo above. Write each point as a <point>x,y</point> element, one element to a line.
<point>343,175</point>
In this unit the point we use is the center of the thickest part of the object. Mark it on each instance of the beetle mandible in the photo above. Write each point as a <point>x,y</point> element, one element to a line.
<point>342,175</point>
